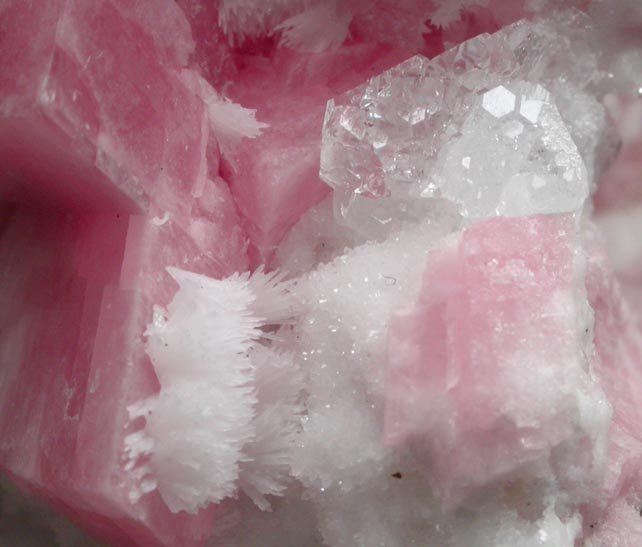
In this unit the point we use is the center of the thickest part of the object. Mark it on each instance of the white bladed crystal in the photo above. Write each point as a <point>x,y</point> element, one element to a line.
<point>475,132</point>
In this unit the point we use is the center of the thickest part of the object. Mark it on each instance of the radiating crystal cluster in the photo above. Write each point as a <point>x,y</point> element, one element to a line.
<point>217,382</point>
<point>476,126</point>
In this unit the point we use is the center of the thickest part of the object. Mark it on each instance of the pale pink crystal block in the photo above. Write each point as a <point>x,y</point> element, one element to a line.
<point>487,370</point>
<point>88,122</point>
<point>275,177</point>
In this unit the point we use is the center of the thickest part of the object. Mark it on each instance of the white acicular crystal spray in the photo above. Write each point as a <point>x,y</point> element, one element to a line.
<point>205,434</point>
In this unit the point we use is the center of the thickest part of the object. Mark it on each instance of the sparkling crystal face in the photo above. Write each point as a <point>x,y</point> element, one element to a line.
<point>499,102</point>
<point>512,156</point>
<point>473,127</point>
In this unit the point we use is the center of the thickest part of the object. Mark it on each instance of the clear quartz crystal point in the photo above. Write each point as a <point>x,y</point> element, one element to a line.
<point>475,132</point>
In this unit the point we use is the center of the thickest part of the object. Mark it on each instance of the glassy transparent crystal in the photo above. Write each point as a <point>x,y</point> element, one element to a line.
<point>475,132</point>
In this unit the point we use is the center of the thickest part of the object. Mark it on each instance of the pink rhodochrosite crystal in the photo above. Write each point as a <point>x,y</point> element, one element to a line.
<point>79,125</point>
<point>99,133</point>
<point>229,319</point>
<point>490,369</point>
<point>65,392</point>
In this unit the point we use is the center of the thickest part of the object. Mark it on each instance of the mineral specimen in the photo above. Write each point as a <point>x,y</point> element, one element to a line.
<point>203,343</point>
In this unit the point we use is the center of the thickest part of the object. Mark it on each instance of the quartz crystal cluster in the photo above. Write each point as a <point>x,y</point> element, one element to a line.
<point>476,126</point>
<point>306,273</point>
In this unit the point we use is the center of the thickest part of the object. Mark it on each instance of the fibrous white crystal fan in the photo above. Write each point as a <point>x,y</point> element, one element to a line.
<point>306,25</point>
<point>228,404</point>
<point>484,126</point>
<point>265,468</point>
<point>230,122</point>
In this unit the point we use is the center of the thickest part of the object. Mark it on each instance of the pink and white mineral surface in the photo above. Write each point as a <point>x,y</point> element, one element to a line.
<point>321,272</point>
